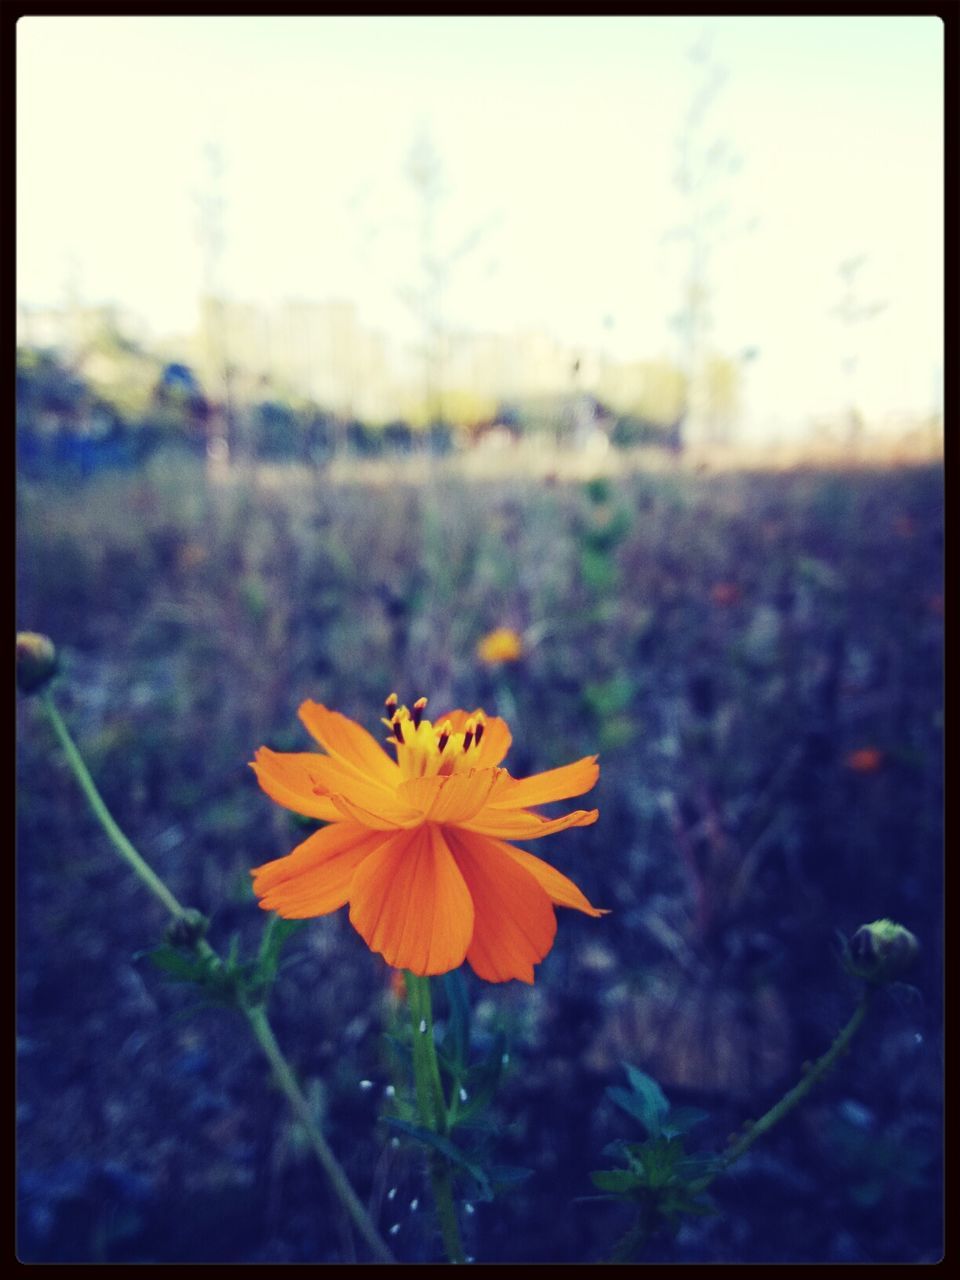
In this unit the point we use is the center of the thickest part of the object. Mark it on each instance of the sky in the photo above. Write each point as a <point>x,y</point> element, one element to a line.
<point>558,139</point>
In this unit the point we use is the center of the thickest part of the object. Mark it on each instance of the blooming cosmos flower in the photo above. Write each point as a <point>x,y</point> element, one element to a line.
<point>419,845</point>
<point>501,645</point>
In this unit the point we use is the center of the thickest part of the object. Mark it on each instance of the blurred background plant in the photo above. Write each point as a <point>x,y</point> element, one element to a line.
<point>192,618</point>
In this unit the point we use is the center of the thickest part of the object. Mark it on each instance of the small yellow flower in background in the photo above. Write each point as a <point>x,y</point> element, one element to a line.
<point>865,760</point>
<point>501,645</point>
<point>418,846</point>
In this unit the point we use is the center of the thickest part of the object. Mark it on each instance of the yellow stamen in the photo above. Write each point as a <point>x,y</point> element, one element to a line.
<point>418,709</point>
<point>444,738</point>
<point>391,703</point>
<point>468,733</point>
<point>397,728</point>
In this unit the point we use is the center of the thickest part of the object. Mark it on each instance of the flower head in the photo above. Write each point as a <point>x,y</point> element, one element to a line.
<point>418,844</point>
<point>865,760</point>
<point>501,645</point>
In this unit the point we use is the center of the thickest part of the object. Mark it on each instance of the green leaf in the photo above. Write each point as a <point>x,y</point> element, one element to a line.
<point>181,966</point>
<point>682,1120</point>
<point>482,1080</point>
<point>659,1159</point>
<point>675,1202</point>
<point>608,698</point>
<point>619,1148</point>
<point>503,1175</point>
<point>647,1101</point>
<point>628,1102</point>
<point>447,1148</point>
<point>694,1168</point>
<point>619,1181</point>
<point>275,934</point>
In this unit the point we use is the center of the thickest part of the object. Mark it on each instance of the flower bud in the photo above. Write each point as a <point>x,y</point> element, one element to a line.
<point>36,661</point>
<point>881,952</point>
<point>188,929</point>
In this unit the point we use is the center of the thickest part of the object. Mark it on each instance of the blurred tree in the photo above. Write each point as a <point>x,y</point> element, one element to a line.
<point>707,160</point>
<point>425,297</point>
<point>48,392</point>
<point>210,202</point>
<point>119,367</point>
<point>853,312</point>
<point>652,390</point>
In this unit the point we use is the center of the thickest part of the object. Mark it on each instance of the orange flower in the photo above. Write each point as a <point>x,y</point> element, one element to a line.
<point>501,645</point>
<point>418,846</point>
<point>865,760</point>
<point>724,594</point>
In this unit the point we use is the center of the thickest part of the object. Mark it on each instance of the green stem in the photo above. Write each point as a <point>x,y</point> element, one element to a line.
<point>634,1238</point>
<point>255,1014</point>
<point>257,1018</point>
<point>103,814</point>
<point>796,1095</point>
<point>432,1108</point>
<point>640,1229</point>
<point>430,1100</point>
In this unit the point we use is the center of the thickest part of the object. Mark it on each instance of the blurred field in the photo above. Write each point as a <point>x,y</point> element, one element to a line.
<point>727,642</point>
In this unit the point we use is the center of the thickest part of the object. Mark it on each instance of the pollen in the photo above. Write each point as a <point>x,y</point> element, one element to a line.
<point>425,749</point>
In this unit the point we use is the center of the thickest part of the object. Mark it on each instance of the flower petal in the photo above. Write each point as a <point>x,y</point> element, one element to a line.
<point>496,739</point>
<point>514,921</point>
<point>554,784</point>
<point>409,902</point>
<point>383,815</point>
<point>314,879</point>
<point>350,742</point>
<point>520,825</point>
<point>561,891</point>
<point>290,778</point>
<point>452,797</point>
<point>334,778</point>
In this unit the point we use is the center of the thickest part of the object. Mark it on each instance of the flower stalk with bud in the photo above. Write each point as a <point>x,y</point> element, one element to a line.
<point>36,665</point>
